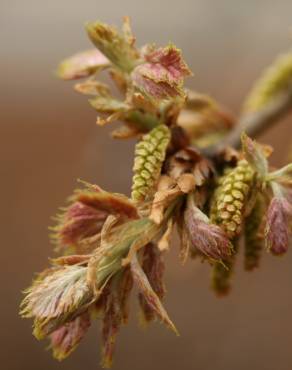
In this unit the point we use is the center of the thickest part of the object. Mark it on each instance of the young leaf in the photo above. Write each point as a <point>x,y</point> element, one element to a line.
<point>108,104</point>
<point>52,299</point>
<point>87,213</point>
<point>111,324</point>
<point>162,74</point>
<point>115,46</point>
<point>153,267</point>
<point>208,238</point>
<point>277,227</point>
<point>148,293</point>
<point>65,339</point>
<point>82,64</point>
<point>255,156</point>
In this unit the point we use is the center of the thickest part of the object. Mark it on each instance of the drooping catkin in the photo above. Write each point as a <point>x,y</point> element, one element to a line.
<point>149,155</point>
<point>254,241</point>
<point>231,197</point>
<point>221,276</point>
<point>274,81</point>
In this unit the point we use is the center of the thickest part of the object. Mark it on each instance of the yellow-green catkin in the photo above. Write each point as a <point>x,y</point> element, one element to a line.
<point>221,277</point>
<point>231,198</point>
<point>254,235</point>
<point>274,81</point>
<point>149,156</point>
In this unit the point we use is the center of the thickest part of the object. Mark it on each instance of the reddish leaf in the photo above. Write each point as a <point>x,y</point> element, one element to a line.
<point>111,324</point>
<point>277,227</point>
<point>148,293</point>
<point>153,267</point>
<point>65,339</point>
<point>209,239</point>
<point>87,213</point>
<point>162,74</point>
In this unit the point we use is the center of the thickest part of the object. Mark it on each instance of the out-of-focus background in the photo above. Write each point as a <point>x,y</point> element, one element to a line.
<point>49,139</point>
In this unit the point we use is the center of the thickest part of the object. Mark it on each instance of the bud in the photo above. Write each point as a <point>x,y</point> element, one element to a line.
<point>231,198</point>
<point>149,155</point>
<point>209,239</point>
<point>277,226</point>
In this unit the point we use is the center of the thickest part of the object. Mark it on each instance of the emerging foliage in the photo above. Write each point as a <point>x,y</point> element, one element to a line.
<point>108,243</point>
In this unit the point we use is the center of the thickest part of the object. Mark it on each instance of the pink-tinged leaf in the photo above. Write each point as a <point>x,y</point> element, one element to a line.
<point>79,222</point>
<point>65,339</point>
<point>113,304</point>
<point>82,65</point>
<point>87,213</point>
<point>162,74</point>
<point>277,227</point>
<point>185,241</point>
<point>153,267</point>
<point>209,239</point>
<point>148,293</point>
<point>55,297</point>
<point>111,203</point>
<point>254,154</point>
<point>125,288</point>
<point>167,64</point>
<point>159,89</point>
<point>111,325</point>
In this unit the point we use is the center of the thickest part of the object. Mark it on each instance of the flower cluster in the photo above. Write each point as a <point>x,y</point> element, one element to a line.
<point>108,243</point>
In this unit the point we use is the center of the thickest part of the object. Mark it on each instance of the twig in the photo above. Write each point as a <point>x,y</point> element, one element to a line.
<point>254,124</point>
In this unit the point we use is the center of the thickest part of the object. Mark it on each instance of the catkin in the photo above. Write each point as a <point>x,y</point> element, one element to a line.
<point>222,276</point>
<point>231,197</point>
<point>149,155</point>
<point>254,242</point>
<point>274,81</point>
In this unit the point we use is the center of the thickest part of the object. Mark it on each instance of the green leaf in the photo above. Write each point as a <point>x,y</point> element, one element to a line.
<point>107,104</point>
<point>115,46</point>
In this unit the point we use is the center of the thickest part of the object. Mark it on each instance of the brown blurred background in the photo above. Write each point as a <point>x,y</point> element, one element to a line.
<point>49,139</point>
